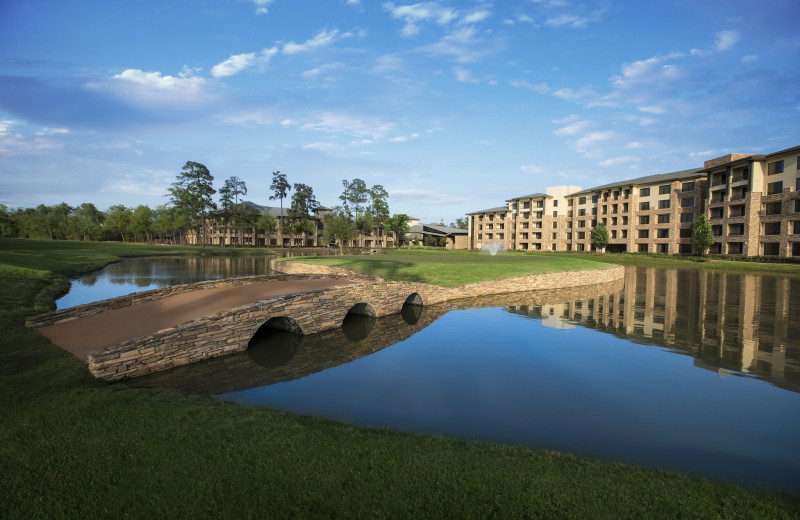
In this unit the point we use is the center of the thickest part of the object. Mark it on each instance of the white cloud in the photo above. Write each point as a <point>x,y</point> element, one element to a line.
<point>154,87</point>
<point>634,145</point>
<point>652,110</point>
<point>647,71</point>
<point>463,45</point>
<point>320,146</point>
<point>420,12</point>
<point>424,196</point>
<point>463,75</point>
<point>616,161</point>
<point>532,169</point>
<point>322,69</point>
<point>388,63</point>
<point>347,124</point>
<point>569,94</point>
<point>258,117</point>
<point>403,139</point>
<point>321,39</point>
<point>239,62</point>
<point>750,58</point>
<point>576,127</point>
<point>354,2</point>
<point>726,40</point>
<point>539,88</point>
<point>567,19</point>
<point>700,155</point>
<point>261,6</point>
<point>477,16</point>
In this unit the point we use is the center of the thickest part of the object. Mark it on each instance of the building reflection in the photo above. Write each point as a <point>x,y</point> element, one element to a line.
<point>729,322</point>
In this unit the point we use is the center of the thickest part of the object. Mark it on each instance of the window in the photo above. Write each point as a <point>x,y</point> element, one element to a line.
<point>775,167</point>
<point>796,227</point>
<point>663,219</point>
<point>663,233</point>
<point>569,236</point>
<point>774,187</point>
<point>581,212</point>
<point>555,214</point>
<point>664,189</point>
<point>555,236</point>
<point>624,233</point>
<point>644,206</point>
<point>595,198</point>
<point>613,221</point>
<point>688,186</point>
<point>555,225</point>
<point>687,217</point>
<point>581,235</point>
<point>772,228</point>
<point>774,208</point>
<point>644,219</point>
<point>555,203</point>
<point>797,180</point>
<point>644,233</point>
<point>480,236</point>
<point>642,248</point>
<point>581,200</point>
<point>644,192</point>
<point>663,204</point>
<point>686,232</point>
<point>687,202</point>
<point>581,223</point>
<point>613,233</point>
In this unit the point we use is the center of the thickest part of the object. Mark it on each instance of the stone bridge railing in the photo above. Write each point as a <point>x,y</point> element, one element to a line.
<point>307,313</point>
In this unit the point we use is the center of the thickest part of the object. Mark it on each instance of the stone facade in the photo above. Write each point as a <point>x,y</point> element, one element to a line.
<point>752,201</point>
<point>315,311</point>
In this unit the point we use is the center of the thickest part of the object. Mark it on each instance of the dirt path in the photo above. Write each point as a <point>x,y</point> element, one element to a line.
<point>85,335</point>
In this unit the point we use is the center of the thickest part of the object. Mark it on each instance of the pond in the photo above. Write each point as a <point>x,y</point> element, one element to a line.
<point>678,369</point>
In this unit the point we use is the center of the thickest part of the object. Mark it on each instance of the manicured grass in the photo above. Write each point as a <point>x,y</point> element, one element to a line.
<point>73,447</point>
<point>790,269</point>
<point>450,270</point>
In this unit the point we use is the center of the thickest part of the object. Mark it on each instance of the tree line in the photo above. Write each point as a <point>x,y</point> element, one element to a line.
<point>363,211</point>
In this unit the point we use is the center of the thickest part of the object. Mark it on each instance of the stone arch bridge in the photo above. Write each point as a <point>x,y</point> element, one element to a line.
<point>306,313</point>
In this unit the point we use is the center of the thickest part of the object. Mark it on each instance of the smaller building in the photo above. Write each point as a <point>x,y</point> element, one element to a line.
<point>442,236</point>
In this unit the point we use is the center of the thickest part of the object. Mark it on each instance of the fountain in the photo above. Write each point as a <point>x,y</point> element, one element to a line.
<point>493,247</point>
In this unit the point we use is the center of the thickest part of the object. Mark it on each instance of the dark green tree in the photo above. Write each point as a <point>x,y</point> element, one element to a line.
<point>280,188</point>
<point>702,235</point>
<point>142,223</point>
<point>460,223</point>
<point>600,237</point>
<point>398,223</point>
<point>269,225</point>
<point>339,227</point>
<point>192,192</point>
<point>379,206</point>
<point>86,222</point>
<point>303,204</point>
<point>118,220</point>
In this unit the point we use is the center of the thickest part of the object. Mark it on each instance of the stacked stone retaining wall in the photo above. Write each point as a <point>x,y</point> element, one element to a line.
<point>315,311</point>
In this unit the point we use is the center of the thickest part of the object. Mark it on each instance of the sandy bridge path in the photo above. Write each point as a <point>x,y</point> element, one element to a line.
<point>84,335</point>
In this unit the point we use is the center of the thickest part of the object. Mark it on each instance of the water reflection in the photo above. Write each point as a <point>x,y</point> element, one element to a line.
<point>573,371</point>
<point>143,274</point>
<point>277,355</point>
<point>740,324</point>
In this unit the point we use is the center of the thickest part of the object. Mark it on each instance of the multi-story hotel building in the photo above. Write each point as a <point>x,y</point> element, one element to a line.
<point>752,202</point>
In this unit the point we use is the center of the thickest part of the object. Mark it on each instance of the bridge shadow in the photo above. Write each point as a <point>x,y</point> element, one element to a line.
<point>276,354</point>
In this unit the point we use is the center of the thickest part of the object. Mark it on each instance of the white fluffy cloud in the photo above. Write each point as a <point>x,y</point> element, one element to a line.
<point>239,62</point>
<point>155,87</point>
<point>321,39</point>
<point>726,40</point>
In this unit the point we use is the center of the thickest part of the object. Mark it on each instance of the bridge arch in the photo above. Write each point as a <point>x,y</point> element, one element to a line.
<point>413,299</point>
<point>286,323</point>
<point>362,309</point>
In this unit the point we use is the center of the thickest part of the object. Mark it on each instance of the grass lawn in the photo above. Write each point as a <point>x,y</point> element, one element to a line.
<point>74,447</point>
<point>452,269</point>
<point>790,269</point>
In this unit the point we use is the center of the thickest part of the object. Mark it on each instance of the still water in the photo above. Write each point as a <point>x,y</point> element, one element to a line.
<point>143,274</point>
<point>677,369</point>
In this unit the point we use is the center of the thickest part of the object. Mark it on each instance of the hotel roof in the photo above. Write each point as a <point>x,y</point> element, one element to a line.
<point>649,179</point>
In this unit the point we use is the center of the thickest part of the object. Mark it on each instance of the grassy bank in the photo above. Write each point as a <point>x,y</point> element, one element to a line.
<point>71,446</point>
<point>791,269</point>
<point>451,269</point>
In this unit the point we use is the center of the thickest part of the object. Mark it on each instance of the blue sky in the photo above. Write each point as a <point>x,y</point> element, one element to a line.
<point>451,106</point>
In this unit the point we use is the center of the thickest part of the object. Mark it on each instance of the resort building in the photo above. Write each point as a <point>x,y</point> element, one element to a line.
<point>221,231</point>
<point>752,202</point>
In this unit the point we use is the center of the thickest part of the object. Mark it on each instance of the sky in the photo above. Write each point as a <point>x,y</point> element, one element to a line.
<point>451,106</point>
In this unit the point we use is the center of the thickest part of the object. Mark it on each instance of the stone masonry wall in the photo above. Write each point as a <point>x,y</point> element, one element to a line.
<point>315,311</point>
